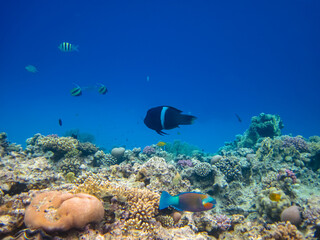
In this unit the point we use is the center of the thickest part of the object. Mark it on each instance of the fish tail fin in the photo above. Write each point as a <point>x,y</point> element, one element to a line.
<point>76,48</point>
<point>164,200</point>
<point>186,119</point>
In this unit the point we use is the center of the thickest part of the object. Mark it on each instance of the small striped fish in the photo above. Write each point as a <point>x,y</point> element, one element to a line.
<point>68,47</point>
<point>102,89</point>
<point>76,92</point>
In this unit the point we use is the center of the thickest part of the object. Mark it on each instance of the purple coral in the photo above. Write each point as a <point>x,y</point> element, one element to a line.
<point>149,150</point>
<point>297,142</point>
<point>222,222</point>
<point>185,163</point>
<point>287,173</point>
<point>311,215</point>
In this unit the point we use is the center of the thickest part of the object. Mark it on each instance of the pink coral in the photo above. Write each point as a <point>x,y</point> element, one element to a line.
<point>287,173</point>
<point>61,211</point>
<point>185,163</point>
<point>149,150</point>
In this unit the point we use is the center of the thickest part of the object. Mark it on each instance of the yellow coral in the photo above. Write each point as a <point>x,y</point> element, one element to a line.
<point>64,144</point>
<point>142,204</point>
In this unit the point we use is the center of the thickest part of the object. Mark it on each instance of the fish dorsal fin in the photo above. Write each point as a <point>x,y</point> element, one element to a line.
<point>202,195</point>
<point>173,108</point>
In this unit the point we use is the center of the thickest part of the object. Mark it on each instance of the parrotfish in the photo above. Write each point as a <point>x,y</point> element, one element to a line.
<point>187,201</point>
<point>68,47</point>
<point>165,117</point>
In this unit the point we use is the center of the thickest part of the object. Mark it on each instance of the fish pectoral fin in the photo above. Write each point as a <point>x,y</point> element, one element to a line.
<point>208,205</point>
<point>176,208</point>
<point>161,133</point>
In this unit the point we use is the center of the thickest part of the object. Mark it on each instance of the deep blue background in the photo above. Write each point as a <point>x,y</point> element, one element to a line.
<point>208,58</point>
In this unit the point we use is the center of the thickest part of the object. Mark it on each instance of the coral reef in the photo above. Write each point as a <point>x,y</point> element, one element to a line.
<point>178,147</point>
<point>262,182</point>
<point>20,174</point>
<point>262,126</point>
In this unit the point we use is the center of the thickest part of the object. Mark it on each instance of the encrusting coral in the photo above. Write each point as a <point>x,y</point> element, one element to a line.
<point>61,211</point>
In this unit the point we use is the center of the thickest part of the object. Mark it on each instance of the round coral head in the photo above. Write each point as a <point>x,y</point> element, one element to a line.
<point>61,211</point>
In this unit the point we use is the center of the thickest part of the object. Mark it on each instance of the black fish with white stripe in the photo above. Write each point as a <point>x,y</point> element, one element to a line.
<point>166,117</point>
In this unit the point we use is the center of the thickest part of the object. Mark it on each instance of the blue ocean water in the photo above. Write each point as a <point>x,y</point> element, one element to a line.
<point>212,59</point>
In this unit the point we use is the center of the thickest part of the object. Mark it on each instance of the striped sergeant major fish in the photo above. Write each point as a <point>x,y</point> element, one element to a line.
<point>68,47</point>
<point>77,91</point>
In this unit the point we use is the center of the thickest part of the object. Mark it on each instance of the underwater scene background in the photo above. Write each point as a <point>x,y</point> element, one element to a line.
<point>77,79</point>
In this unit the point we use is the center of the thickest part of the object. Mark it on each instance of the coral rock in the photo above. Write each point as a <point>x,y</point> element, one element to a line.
<point>118,152</point>
<point>60,211</point>
<point>291,214</point>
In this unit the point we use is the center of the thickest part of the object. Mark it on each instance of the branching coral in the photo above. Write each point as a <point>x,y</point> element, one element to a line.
<point>230,168</point>
<point>63,144</point>
<point>202,169</point>
<point>283,230</point>
<point>141,206</point>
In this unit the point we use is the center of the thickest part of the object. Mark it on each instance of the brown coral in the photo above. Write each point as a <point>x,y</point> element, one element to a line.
<point>285,231</point>
<point>60,211</point>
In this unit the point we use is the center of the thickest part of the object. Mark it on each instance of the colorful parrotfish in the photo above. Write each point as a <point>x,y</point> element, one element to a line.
<point>188,201</point>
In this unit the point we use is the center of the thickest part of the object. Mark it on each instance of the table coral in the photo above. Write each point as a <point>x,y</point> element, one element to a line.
<point>60,211</point>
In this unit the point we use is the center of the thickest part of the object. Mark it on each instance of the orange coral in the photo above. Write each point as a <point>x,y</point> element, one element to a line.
<point>60,211</point>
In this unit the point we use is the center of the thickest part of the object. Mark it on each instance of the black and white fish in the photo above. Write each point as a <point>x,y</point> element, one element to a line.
<point>166,117</point>
<point>68,47</point>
